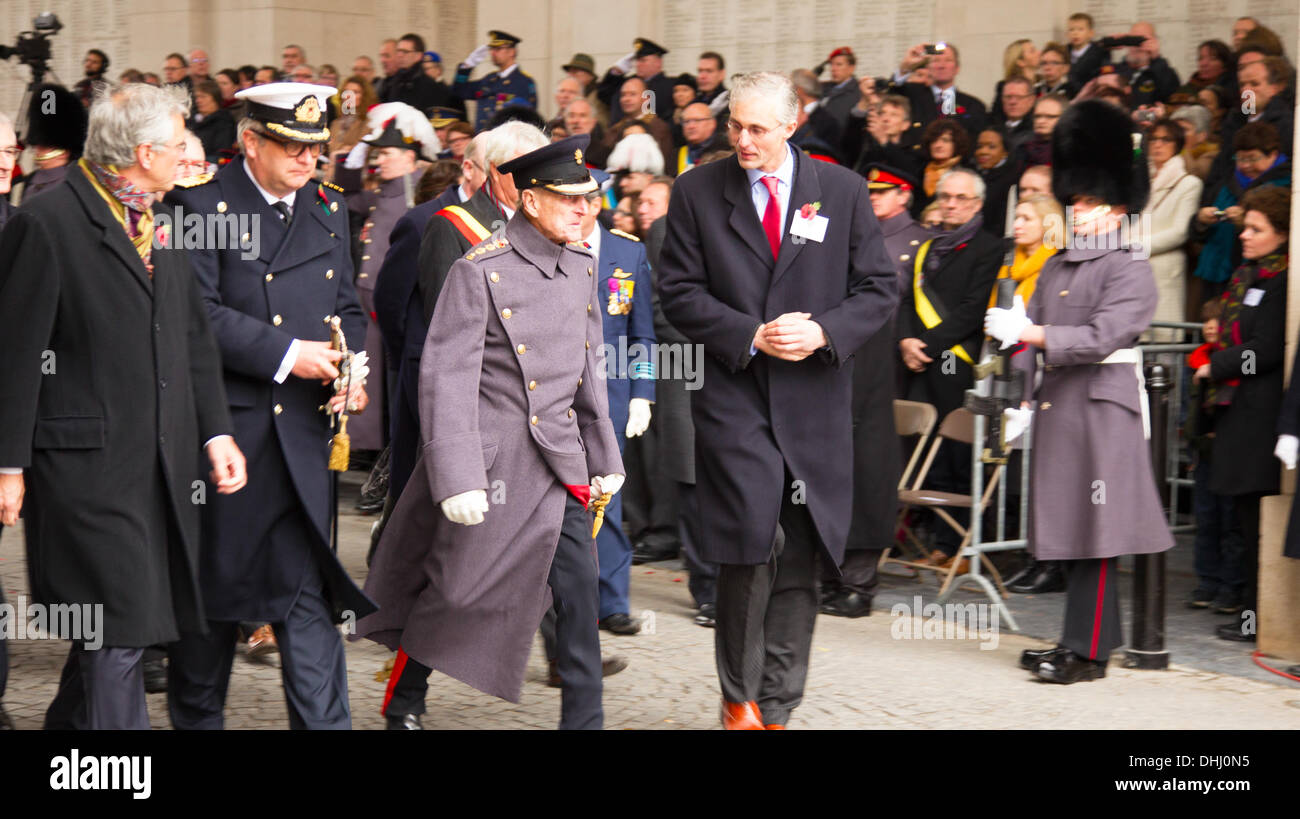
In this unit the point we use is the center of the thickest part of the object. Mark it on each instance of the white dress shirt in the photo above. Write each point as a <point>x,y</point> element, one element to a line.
<point>594,241</point>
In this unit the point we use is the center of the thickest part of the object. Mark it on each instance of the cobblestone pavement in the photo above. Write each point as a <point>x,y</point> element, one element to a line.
<point>863,674</point>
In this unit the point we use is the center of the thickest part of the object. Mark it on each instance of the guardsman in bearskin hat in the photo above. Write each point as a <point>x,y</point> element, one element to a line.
<point>271,299</point>
<point>56,132</point>
<point>1093,496</point>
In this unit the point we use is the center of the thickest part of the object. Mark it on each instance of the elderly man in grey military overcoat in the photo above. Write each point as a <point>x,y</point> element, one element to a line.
<point>516,438</point>
<point>1094,495</point>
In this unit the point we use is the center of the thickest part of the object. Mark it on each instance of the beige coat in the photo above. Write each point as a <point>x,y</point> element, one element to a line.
<point>1175,194</point>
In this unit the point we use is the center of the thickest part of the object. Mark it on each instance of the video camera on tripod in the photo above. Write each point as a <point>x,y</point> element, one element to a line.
<point>33,47</point>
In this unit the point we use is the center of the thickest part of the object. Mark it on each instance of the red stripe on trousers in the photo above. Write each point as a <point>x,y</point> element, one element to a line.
<point>1096,620</point>
<point>399,664</point>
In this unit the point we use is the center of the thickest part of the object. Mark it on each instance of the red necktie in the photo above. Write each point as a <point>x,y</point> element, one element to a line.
<point>772,216</point>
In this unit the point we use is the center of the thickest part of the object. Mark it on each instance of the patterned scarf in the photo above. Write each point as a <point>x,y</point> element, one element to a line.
<point>1250,273</point>
<point>129,204</point>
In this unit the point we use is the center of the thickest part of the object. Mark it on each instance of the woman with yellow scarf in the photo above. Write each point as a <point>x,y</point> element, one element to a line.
<point>1038,220</point>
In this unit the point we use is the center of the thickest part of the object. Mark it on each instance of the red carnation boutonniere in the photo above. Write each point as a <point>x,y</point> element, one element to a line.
<point>961,109</point>
<point>809,210</point>
<point>161,235</point>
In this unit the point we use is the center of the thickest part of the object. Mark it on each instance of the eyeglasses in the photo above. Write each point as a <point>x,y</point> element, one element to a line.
<point>1249,159</point>
<point>406,51</point>
<point>11,154</point>
<point>294,149</point>
<point>695,120</point>
<point>193,167</point>
<point>178,147</point>
<point>755,131</point>
<point>963,198</point>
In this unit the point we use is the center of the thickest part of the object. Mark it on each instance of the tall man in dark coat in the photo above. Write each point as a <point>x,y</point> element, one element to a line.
<point>775,263</point>
<point>113,390</point>
<point>876,467</point>
<point>266,553</point>
<point>512,408</point>
<point>939,323</point>
<point>940,98</point>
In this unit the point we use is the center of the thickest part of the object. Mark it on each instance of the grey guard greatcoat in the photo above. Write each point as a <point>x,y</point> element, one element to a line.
<point>1093,492</point>
<point>512,402</point>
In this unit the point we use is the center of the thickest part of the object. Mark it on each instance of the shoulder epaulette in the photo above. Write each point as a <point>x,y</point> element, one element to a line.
<point>625,235</point>
<point>195,181</point>
<point>332,186</point>
<point>487,246</point>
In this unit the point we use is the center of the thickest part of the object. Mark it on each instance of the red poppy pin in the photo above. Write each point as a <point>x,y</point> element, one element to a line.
<point>322,199</point>
<point>161,234</point>
<point>961,109</point>
<point>809,210</point>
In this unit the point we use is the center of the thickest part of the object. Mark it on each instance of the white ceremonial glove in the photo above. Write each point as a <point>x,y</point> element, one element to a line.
<point>360,368</point>
<point>625,64</point>
<point>606,483</point>
<point>357,156</point>
<point>467,508</point>
<point>1286,448</point>
<point>476,56</point>
<point>1007,325</point>
<point>1014,423</point>
<point>638,417</point>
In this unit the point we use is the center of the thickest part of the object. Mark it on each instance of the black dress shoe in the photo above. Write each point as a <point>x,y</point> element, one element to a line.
<point>155,676</point>
<point>1068,667</point>
<point>370,504</point>
<point>847,604</point>
<point>1234,632</point>
<point>1048,578</point>
<point>1031,658</point>
<point>1025,574</point>
<point>707,616</point>
<point>621,624</point>
<point>404,722</point>
<point>6,724</point>
<point>644,553</point>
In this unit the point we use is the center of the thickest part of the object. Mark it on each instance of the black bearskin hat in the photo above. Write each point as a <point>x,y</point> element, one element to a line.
<point>56,119</point>
<point>1097,152</point>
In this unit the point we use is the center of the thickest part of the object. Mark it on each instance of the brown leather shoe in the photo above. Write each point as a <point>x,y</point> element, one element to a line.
<point>938,558</point>
<point>742,716</point>
<point>262,642</point>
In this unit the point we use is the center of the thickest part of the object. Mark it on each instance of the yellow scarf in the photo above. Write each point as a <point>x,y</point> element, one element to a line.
<point>142,239</point>
<point>934,170</point>
<point>1024,269</point>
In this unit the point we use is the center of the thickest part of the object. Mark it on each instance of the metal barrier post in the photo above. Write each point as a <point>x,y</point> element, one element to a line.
<point>1148,629</point>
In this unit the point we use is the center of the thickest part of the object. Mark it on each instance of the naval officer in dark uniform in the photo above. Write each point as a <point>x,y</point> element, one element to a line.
<point>506,86</point>
<point>265,554</point>
<point>512,411</point>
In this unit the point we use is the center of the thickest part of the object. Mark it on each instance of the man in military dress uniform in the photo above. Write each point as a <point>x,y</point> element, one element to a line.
<point>648,59</point>
<point>265,553</point>
<point>876,468</point>
<point>512,407</point>
<point>508,85</point>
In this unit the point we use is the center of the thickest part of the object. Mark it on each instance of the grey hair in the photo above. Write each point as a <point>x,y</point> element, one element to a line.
<point>124,117</point>
<point>980,188</point>
<point>505,142</point>
<point>771,86</point>
<point>474,151</point>
<point>1197,115</point>
<point>5,122</point>
<point>807,82</point>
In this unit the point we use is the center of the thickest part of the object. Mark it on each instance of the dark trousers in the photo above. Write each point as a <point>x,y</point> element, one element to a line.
<point>311,665</point>
<point>573,640</point>
<point>1092,628</point>
<point>1213,549</point>
<point>1243,551</point>
<point>858,573</point>
<point>650,494</point>
<point>100,689</point>
<point>703,576</point>
<point>615,552</point>
<point>765,619</point>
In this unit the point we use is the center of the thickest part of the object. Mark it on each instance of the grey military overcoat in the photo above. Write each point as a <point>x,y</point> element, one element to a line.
<point>511,401</point>
<point>1093,492</point>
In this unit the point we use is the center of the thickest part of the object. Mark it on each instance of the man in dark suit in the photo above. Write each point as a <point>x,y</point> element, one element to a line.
<point>112,391</point>
<point>840,93</point>
<point>940,98</point>
<point>775,263</point>
<point>648,59</point>
<point>266,553</point>
<point>940,321</point>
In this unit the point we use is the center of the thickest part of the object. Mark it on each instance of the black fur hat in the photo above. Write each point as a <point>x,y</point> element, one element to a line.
<point>1096,152</point>
<point>56,119</point>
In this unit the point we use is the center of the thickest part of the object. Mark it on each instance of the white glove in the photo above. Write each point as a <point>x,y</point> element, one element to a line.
<point>357,156</point>
<point>625,64</point>
<point>638,417</point>
<point>467,508</point>
<point>606,483</point>
<point>1014,423</point>
<point>1007,325</point>
<point>476,56</point>
<point>1285,451</point>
